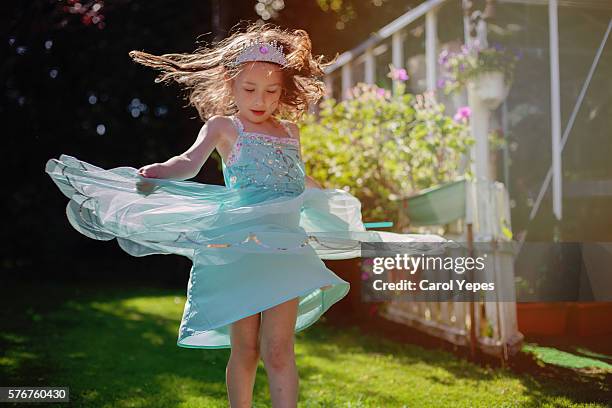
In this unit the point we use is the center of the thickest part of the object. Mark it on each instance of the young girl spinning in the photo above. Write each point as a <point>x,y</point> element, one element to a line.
<point>256,243</point>
<point>240,87</point>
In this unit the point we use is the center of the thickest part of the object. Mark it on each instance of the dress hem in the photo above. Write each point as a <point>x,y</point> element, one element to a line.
<point>348,286</point>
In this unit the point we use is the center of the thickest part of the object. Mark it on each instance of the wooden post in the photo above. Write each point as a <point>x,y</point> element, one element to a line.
<point>555,108</point>
<point>347,79</point>
<point>473,338</point>
<point>369,67</point>
<point>397,55</point>
<point>431,47</point>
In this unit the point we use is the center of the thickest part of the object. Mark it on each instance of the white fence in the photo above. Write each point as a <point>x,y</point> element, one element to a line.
<point>495,329</point>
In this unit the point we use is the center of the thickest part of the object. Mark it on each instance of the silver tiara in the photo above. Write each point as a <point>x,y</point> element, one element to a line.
<point>255,50</point>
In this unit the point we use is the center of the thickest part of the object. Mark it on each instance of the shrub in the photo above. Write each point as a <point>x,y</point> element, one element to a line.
<point>380,146</point>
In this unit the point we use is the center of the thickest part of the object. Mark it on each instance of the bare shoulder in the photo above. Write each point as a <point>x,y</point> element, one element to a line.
<point>294,129</point>
<point>225,134</point>
<point>220,126</point>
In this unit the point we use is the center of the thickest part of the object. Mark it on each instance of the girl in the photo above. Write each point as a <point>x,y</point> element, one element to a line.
<point>266,72</point>
<point>256,243</point>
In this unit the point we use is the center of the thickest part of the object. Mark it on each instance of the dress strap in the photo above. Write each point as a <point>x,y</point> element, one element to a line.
<point>238,124</point>
<point>285,124</point>
<point>287,129</point>
<point>240,127</point>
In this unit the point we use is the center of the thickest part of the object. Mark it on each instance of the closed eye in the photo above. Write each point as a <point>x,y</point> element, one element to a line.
<point>252,90</point>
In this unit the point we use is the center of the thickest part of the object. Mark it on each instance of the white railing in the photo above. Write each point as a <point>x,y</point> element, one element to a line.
<point>393,30</point>
<point>494,328</point>
<point>495,321</point>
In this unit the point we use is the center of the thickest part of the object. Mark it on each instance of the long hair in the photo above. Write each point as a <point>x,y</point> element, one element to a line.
<point>205,73</point>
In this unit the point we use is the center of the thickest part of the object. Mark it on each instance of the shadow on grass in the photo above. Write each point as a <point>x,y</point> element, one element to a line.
<point>380,340</point>
<point>117,347</point>
<point>112,347</point>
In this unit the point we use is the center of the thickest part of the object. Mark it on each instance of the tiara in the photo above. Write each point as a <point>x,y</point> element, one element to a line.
<point>255,50</point>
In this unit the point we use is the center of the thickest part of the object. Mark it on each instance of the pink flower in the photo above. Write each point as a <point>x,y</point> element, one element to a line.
<point>443,57</point>
<point>401,74</point>
<point>463,114</point>
<point>397,74</point>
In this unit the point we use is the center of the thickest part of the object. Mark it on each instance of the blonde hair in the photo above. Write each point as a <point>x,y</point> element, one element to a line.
<point>205,72</point>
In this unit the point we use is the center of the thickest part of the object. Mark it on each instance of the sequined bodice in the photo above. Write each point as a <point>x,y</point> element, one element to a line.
<point>264,161</point>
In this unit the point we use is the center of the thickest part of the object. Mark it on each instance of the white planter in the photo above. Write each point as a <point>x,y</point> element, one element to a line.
<point>490,88</point>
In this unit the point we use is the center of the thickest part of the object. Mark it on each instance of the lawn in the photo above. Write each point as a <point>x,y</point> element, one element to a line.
<point>116,347</point>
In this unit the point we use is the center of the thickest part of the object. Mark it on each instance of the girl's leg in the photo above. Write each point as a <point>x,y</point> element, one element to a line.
<point>277,335</point>
<point>242,364</point>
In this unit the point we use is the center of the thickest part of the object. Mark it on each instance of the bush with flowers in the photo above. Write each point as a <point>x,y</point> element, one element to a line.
<point>379,145</point>
<point>472,61</point>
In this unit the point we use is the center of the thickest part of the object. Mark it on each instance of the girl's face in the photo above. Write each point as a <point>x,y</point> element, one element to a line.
<point>257,90</point>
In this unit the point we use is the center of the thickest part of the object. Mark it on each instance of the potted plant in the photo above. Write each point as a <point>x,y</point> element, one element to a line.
<point>404,143</point>
<point>487,71</point>
<point>380,145</point>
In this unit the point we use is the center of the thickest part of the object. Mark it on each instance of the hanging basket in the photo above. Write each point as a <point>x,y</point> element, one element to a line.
<point>490,88</point>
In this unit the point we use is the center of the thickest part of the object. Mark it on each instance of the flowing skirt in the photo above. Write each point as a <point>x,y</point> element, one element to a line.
<point>251,249</point>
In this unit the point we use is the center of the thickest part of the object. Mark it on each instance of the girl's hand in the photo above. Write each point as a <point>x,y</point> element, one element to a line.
<point>151,170</point>
<point>145,187</point>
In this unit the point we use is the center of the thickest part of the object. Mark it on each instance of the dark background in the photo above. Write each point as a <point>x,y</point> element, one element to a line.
<point>69,87</point>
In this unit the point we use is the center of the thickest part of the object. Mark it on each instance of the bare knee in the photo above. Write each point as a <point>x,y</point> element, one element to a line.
<point>277,354</point>
<point>247,352</point>
<point>244,339</point>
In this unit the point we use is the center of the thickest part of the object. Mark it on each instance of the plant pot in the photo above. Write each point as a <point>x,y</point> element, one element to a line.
<point>543,319</point>
<point>589,318</point>
<point>437,205</point>
<point>490,88</point>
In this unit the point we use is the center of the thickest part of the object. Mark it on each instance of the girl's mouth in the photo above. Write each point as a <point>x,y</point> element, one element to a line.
<point>258,112</point>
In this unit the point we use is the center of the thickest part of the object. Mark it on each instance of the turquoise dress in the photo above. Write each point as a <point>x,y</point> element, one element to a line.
<point>254,243</point>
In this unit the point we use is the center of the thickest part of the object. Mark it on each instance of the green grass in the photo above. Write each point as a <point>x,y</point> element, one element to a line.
<point>117,348</point>
<point>551,355</point>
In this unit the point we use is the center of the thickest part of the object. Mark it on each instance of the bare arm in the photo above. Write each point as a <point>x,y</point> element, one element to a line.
<point>188,164</point>
<point>312,183</point>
